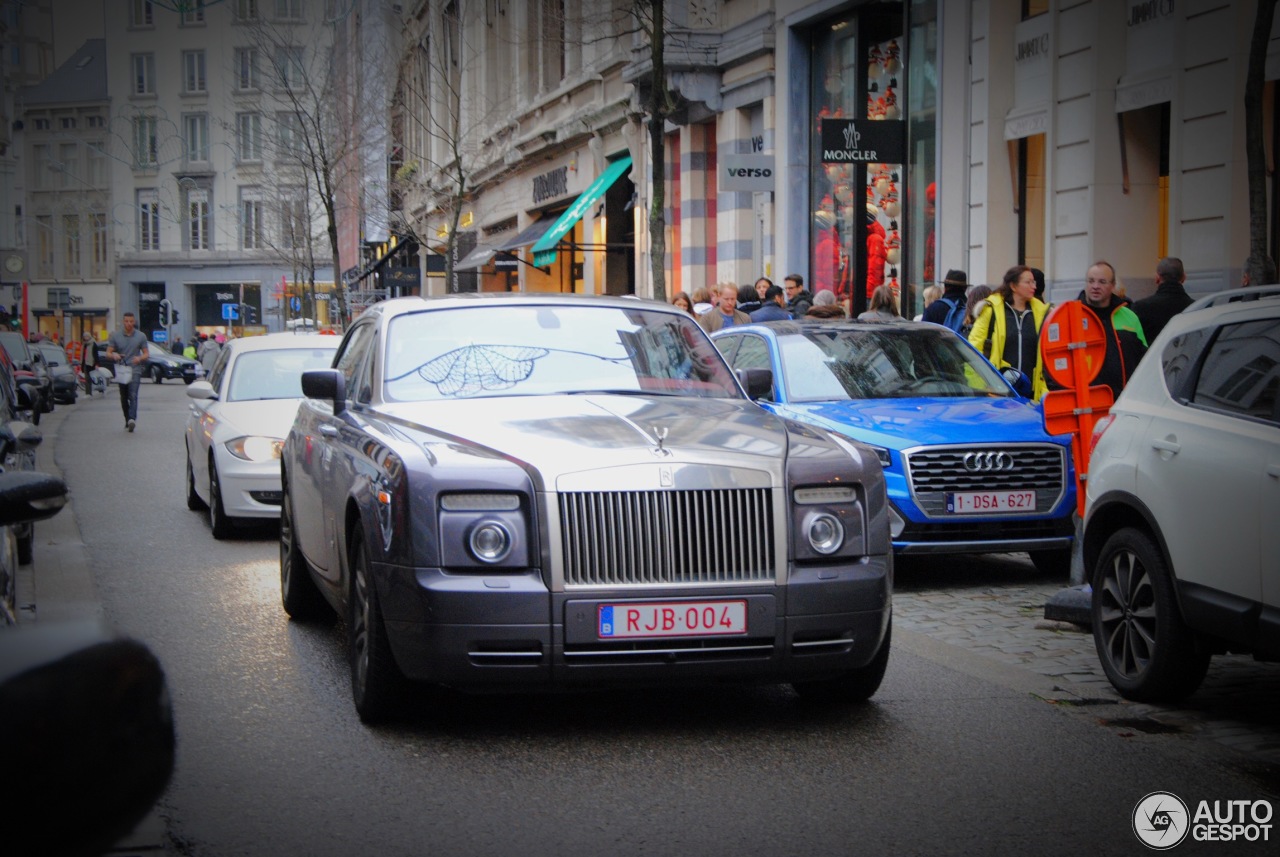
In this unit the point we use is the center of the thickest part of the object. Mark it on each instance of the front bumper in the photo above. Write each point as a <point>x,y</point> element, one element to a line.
<point>510,631</point>
<point>250,489</point>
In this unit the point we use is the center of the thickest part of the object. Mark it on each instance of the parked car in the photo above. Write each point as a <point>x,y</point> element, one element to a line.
<point>66,384</point>
<point>967,461</point>
<point>18,442</point>
<point>1183,496</point>
<point>162,364</point>
<point>29,371</point>
<point>239,419</point>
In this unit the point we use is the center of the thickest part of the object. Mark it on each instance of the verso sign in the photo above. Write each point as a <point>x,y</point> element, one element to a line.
<point>746,172</point>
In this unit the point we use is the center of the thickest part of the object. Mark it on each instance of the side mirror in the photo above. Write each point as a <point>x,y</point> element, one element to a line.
<point>28,495</point>
<point>1019,381</point>
<point>201,390</point>
<point>326,384</point>
<point>23,434</point>
<point>757,382</point>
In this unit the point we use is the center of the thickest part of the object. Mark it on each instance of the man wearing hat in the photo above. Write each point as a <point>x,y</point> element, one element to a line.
<point>953,289</point>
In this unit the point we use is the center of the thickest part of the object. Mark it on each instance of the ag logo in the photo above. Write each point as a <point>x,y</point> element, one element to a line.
<point>1161,820</point>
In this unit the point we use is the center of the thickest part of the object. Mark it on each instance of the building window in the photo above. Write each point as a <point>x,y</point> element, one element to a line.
<point>42,125</point>
<point>148,220</point>
<point>198,220</point>
<point>246,10</point>
<point>145,146</point>
<point>97,159</point>
<point>71,244</point>
<point>59,298</point>
<point>293,220</point>
<point>247,69</point>
<point>141,13</point>
<point>195,128</point>
<point>289,66</point>
<point>289,10</point>
<point>98,261</point>
<point>194,17</point>
<point>67,123</point>
<point>289,128</point>
<point>144,74</point>
<point>44,245</point>
<point>68,168</point>
<point>95,122</point>
<point>193,77</point>
<point>40,165</point>
<point>251,234</point>
<point>249,136</point>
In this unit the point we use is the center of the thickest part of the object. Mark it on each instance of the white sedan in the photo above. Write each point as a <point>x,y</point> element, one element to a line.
<point>239,418</point>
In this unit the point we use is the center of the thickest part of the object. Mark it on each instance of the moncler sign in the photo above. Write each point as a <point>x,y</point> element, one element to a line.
<point>881,141</point>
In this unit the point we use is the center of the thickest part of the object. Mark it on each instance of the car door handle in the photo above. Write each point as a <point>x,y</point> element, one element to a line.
<point>329,431</point>
<point>1166,445</point>
<point>1274,471</point>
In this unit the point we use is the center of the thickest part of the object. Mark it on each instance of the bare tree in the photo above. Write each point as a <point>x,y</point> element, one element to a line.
<point>650,16</point>
<point>1259,267</point>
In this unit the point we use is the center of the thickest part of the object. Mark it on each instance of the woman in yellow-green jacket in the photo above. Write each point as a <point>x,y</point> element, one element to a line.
<point>1007,330</point>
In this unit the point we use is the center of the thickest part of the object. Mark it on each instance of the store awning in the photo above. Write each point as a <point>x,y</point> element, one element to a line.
<point>544,252</point>
<point>531,235</point>
<point>477,258</point>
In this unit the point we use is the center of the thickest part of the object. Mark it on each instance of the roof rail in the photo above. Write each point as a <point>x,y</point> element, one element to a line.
<point>1230,296</point>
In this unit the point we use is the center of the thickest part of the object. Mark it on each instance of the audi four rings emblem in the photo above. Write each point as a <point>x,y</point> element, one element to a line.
<point>988,462</point>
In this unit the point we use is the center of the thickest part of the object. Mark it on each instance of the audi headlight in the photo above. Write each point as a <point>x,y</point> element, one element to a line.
<point>825,532</point>
<point>255,448</point>
<point>489,541</point>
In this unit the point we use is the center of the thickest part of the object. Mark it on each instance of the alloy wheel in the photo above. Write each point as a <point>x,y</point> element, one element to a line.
<point>1127,614</point>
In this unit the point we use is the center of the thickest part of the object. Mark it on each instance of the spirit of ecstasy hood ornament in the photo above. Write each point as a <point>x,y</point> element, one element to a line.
<point>660,434</point>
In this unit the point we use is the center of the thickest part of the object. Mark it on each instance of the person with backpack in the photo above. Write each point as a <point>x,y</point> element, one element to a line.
<point>1007,331</point>
<point>948,310</point>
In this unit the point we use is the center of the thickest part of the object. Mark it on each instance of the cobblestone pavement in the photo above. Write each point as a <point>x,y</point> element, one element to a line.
<point>993,606</point>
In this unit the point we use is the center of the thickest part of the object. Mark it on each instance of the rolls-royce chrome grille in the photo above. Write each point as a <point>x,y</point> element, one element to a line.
<point>641,538</point>
<point>936,471</point>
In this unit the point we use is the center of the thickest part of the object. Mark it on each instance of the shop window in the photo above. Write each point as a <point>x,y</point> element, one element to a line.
<point>1030,196</point>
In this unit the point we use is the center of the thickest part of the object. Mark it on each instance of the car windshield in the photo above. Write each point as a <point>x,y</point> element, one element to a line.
<point>889,362</point>
<point>542,350</point>
<point>274,374</point>
<point>53,355</point>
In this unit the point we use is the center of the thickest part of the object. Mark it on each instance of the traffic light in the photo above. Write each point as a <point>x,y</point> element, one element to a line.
<point>164,311</point>
<point>249,313</point>
<point>175,316</point>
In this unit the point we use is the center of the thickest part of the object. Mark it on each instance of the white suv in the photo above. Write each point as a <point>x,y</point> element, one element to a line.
<point>1182,522</point>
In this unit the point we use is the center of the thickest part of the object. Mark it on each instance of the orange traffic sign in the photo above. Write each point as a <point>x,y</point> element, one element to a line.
<point>1072,344</point>
<point>1062,411</point>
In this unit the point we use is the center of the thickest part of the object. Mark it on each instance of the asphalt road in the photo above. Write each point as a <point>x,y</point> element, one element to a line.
<point>954,755</point>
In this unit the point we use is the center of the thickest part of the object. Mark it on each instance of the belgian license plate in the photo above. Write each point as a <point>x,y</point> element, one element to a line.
<point>977,502</point>
<point>672,619</point>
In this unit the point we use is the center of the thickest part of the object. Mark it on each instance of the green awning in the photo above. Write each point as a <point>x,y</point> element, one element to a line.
<point>544,252</point>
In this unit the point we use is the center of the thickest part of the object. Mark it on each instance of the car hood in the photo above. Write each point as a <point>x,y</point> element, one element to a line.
<point>559,435</point>
<point>267,418</point>
<point>904,423</point>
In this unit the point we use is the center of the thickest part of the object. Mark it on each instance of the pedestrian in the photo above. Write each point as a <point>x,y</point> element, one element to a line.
<point>177,345</point>
<point>774,307</point>
<point>882,307</point>
<point>1039,275</point>
<point>208,353</point>
<point>949,309</point>
<point>1170,298</point>
<point>826,307</point>
<point>726,314</point>
<point>798,297</point>
<point>975,301</point>
<point>128,348</point>
<point>1122,331</point>
<point>1008,328</point>
<point>928,295</point>
<point>190,350</point>
<point>762,286</point>
<point>701,300</point>
<point>683,301</point>
<point>89,361</point>
<point>749,300</point>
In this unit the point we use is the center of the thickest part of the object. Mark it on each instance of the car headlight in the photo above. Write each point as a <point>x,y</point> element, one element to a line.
<point>255,448</point>
<point>825,532</point>
<point>883,455</point>
<point>489,541</point>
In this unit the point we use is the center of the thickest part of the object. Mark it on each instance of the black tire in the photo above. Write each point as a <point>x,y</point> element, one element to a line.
<point>1146,650</point>
<point>302,600</point>
<point>35,415</point>
<point>376,681</point>
<point>1052,563</point>
<point>26,541</point>
<point>194,503</point>
<point>854,686</point>
<point>157,374</point>
<point>219,523</point>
